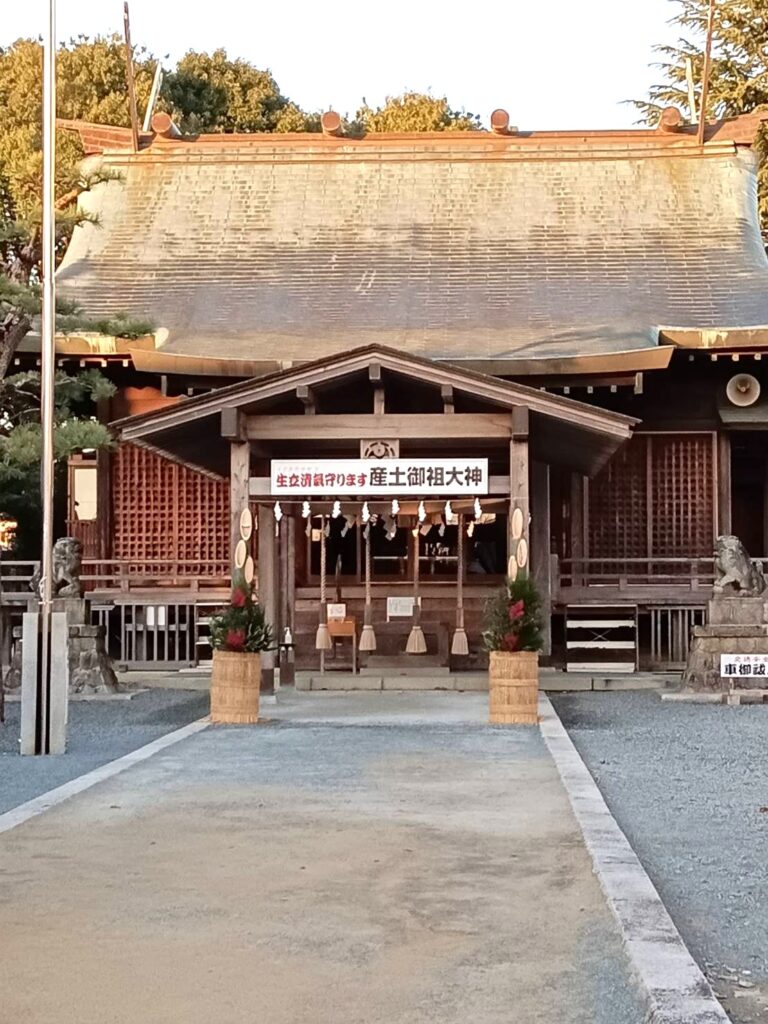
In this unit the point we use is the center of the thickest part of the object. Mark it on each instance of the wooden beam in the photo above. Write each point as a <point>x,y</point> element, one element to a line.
<point>724,522</point>
<point>239,476</point>
<point>446,392</point>
<point>541,562</point>
<point>268,588</point>
<point>519,501</point>
<point>379,401</point>
<point>291,526</point>
<point>578,524</point>
<point>306,396</point>
<point>414,426</point>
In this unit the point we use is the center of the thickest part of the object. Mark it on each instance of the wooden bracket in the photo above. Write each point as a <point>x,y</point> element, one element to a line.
<point>233,426</point>
<point>446,392</point>
<point>520,422</point>
<point>306,396</point>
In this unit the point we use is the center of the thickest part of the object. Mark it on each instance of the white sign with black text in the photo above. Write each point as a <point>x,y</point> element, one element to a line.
<point>744,666</point>
<point>372,477</point>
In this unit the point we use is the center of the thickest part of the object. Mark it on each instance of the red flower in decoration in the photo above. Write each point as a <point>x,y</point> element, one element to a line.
<point>235,639</point>
<point>239,598</point>
<point>516,611</point>
<point>511,641</point>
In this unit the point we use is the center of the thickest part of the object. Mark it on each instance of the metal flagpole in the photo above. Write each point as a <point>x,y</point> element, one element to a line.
<point>48,370</point>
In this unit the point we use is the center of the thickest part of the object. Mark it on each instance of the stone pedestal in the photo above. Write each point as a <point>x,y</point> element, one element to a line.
<point>736,625</point>
<point>90,668</point>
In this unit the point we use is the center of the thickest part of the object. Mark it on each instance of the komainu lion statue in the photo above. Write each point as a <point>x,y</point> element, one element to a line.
<point>67,565</point>
<point>735,571</point>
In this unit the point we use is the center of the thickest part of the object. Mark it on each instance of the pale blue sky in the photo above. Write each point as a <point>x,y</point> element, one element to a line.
<point>551,63</point>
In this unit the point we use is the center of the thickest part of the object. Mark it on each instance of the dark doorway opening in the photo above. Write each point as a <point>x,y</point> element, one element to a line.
<point>749,468</point>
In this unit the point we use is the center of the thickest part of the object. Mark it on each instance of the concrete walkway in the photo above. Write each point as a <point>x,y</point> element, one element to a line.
<point>358,859</point>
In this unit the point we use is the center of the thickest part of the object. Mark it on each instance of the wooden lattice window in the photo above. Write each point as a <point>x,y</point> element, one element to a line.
<point>168,518</point>
<point>682,494</point>
<point>617,505</point>
<point>655,499</point>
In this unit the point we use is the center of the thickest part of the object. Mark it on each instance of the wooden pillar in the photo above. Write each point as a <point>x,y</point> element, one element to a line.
<point>578,528</point>
<point>519,487</point>
<point>239,472</point>
<point>287,555</point>
<point>104,515</point>
<point>724,524</point>
<point>541,563</point>
<point>268,589</point>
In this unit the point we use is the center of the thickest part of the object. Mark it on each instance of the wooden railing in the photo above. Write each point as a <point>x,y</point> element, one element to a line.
<point>632,573</point>
<point>643,581</point>
<point>111,574</point>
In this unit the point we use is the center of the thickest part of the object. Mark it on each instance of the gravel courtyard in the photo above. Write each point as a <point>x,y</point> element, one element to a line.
<point>688,784</point>
<point>348,861</point>
<point>99,731</point>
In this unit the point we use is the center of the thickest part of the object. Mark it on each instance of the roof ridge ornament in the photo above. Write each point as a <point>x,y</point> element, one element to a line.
<point>671,120</point>
<point>330,122</point>
<point>500,123</point>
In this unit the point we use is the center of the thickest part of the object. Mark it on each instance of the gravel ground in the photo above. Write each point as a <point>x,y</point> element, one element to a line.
<point>688,784</point>
<point>99,731</point>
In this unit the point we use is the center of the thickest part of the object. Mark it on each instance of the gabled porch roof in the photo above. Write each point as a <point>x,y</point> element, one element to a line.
<point>562,431</point>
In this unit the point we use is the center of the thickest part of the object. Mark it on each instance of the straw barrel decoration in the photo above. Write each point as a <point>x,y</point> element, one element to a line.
<point>513,688</point>
<point>235,686</point>
<point>236,675</point>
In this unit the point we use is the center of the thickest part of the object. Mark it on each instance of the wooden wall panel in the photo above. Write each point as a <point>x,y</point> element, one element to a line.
<point>617,505</point>
<point>655,499</point>
<point>682,493</point>
<point>165,512</point>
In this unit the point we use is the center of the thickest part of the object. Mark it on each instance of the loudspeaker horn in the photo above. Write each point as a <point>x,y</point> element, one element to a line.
<point>743,389</point>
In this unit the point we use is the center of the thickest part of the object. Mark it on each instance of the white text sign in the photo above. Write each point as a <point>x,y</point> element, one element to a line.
<point>744,665</point>
<point>369,477</point>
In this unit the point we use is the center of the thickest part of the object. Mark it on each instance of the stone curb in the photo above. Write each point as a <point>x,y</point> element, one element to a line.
<point>44,802</point>
<point>675,989</point>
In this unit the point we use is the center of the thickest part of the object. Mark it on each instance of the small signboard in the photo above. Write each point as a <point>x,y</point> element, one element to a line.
<point>733,666</point>
<point>399,607</point>
<point>337,612</point>
<point>370,477</point>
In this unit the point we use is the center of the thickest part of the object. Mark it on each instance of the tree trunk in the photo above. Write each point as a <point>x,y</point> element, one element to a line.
<point>12,330</point>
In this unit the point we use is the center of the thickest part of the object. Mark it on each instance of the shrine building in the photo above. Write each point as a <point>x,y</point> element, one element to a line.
<point>422,361</point>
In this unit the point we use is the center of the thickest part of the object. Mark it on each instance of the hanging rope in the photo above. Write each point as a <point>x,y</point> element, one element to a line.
<point>368,637</point>
<point>323,637</point>
<point>460,645</point>
<point>416,642</point>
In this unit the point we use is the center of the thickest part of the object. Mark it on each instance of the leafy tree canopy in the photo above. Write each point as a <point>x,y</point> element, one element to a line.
<point>738,81</point>
<point>20,439</point>
<point>415,112</point>
<point>208,92</point>
<point>739,76</point>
